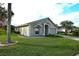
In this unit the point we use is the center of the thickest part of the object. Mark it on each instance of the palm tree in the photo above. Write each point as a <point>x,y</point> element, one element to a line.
<point>68,25</point>
<point>10,14</point>
<point>3,16</point>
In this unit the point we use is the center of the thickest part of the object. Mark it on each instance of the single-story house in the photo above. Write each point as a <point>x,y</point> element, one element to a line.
<point>42,27</point>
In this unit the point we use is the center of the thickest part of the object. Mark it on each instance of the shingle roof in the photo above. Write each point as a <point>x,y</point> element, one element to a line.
<point>26,24</point>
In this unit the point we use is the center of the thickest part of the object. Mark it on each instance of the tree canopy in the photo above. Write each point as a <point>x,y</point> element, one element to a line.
<point>3,12</point>
<point>68,25</point>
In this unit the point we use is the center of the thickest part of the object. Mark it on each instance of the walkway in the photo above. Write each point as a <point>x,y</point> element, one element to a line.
<point>77,55</point>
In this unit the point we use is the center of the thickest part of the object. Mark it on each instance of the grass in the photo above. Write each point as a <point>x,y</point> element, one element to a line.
<point>44,46</point>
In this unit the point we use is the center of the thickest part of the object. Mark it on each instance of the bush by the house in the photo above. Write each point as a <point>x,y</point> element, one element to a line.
<point>50,35</point>
<point>62,33</point>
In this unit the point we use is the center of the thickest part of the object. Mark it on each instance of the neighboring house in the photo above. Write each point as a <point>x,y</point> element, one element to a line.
<point>61,29</point>
<point>42,27</point>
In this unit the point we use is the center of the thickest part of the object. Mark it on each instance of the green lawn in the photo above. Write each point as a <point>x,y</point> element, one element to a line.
<point>44,46</point>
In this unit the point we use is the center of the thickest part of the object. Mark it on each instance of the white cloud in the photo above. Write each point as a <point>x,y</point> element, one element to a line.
<point>74,17</point>
<point>26,12</point>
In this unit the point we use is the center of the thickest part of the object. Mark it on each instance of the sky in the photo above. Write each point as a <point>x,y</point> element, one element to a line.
<point>31,10</point>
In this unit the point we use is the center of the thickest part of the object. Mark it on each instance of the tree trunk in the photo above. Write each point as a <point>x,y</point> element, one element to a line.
<point>66,31</point>
<point>9,24</point>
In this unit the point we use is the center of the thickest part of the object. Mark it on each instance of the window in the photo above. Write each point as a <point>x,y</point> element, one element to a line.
<point>37,29</point>
<point>36,32</point>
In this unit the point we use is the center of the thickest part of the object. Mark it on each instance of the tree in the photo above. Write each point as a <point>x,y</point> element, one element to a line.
<point>68,25</point>
<point>3,14</point>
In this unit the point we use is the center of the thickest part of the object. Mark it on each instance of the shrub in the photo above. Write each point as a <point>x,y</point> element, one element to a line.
<point>76,32</point>
<point>54,36</point>
<point>17,32</point>
<point>62,33</point>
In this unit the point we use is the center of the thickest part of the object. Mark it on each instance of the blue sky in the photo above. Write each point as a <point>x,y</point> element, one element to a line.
<point>32,10</point>
<point>73,8</point>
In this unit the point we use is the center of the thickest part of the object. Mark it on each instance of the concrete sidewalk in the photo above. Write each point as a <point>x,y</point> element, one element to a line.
<point>71,37</point>
<point>77,55</point>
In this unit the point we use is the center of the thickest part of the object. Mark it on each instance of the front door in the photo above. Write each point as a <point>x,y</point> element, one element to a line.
<point>46,30</point>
